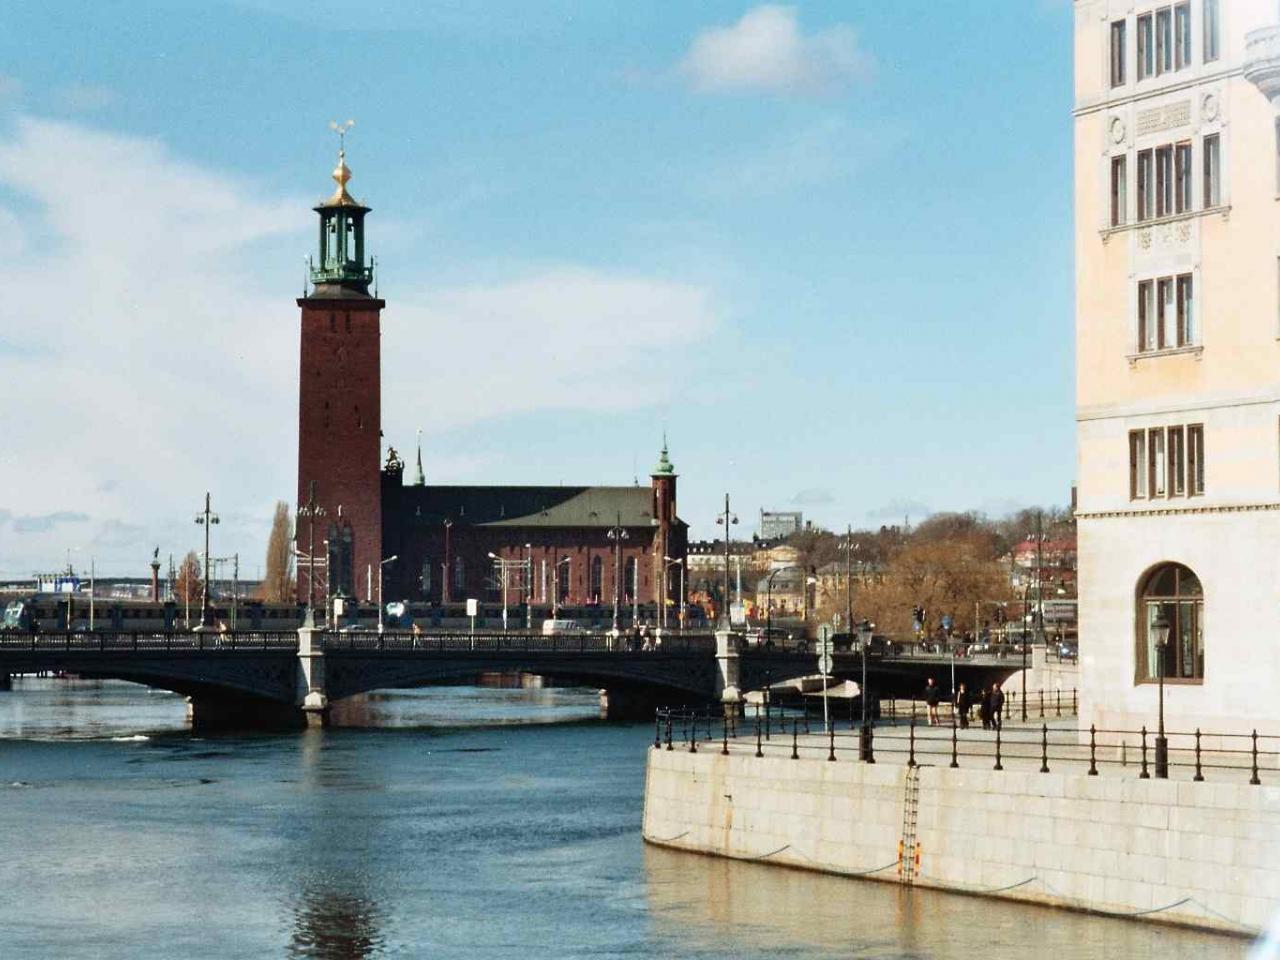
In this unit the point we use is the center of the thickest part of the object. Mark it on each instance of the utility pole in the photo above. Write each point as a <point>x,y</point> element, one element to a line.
<point>1039,577</point>
<point>207,518</point>
<point>310,510</point>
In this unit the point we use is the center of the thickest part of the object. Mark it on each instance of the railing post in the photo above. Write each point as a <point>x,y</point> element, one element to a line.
<point>1144,775</point>
<point>1093,751</point>
<point>669,747</point>
<point>657,729</point>
<point>1040,697</point>
<point>1044,748</point>
<point>1199,777</point>
<point>795,739</point>
<point>1254,781</point>
<point>1075,707</point>
<point>693,736</point>
<point>759,742</point>
<point>831,737</point>
<point>1057,702</point>
<point>911,755</point>
<point>998,765</point>
<point>955,760</point>
<point>724,737</point>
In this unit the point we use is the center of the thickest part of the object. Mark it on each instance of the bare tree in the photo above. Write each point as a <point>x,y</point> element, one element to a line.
<point>187,586</point>
<point>278,583</point>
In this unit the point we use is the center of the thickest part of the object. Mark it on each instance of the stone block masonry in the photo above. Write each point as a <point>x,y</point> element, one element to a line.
<point>1204,855</point>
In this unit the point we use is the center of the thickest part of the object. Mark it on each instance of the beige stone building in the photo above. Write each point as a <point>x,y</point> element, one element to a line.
<point>1178,359</point>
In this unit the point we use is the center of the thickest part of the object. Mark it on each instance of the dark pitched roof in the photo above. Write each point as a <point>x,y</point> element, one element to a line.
<point>529,506</point>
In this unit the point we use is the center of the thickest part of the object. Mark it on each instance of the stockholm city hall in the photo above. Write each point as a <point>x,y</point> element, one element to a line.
<point>566,545</point>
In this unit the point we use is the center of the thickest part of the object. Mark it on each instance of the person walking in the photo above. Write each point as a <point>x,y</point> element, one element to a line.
<point>964,700</point>
<point>932,697</point>
<point>984,708</point>
<point>997,707</point>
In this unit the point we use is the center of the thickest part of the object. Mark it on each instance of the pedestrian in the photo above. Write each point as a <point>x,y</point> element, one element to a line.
<point>932,696</point>
<point>964,700</point>
<point>997,706</point>
<point>984,708</point>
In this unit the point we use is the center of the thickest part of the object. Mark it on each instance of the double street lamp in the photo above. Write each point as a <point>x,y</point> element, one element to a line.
<point>504,577</point>
<point>206,518</point>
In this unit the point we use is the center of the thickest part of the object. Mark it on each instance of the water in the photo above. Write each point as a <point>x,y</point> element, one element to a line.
<point>458,829</point>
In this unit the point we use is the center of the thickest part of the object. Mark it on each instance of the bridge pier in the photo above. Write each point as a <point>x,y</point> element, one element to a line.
<point>729,670</point>
<point>6,681</point>
<point>312,698</point>
<point>631,704</point>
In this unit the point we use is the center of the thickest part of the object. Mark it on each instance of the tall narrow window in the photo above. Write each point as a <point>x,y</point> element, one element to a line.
<point>1182,177</point>
<point>1155,462</point>
<point>1164,313</point>
<point>1146,48</point>
<point>1186,312</point>
<point>1164,181</point>
<point>1177,463</point>
<point>1146,188</point>
<point>1146,316</point>
<point>459,574</point>
<point>1182,36</point>
<point>1195,459</point>
<point>1212,171</point>
<point>1117,53</point>
<point>1119,190</point>
<point>1137,464</point>
<point>1210,17</point>
<point>1164,40</point>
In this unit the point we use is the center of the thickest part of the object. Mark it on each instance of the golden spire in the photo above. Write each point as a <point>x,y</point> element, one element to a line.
<point>341,173</point>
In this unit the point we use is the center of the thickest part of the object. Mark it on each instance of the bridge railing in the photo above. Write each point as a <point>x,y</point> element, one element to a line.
<point>121,641</point>
<point>514,642</point>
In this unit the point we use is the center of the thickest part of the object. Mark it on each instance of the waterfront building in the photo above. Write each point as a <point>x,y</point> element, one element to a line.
<point>1178,362</point>
<point>535,545</point>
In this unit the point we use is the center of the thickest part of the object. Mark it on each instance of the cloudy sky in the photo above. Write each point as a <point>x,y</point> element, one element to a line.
<point>826,247</point>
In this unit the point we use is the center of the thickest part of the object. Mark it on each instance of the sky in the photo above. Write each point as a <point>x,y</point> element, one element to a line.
<point>825,247</point>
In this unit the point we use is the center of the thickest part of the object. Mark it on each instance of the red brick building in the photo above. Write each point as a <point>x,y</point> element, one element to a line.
<point>572,546</point>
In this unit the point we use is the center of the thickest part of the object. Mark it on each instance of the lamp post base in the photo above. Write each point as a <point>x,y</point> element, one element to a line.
<point>1162,758</point>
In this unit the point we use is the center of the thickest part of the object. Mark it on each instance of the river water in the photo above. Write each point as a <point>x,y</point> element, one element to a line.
<point>449,822</point>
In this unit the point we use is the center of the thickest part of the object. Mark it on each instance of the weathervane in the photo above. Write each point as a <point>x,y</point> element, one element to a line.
<point>341,130</point>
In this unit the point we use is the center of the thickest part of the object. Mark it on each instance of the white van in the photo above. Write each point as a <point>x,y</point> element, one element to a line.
<point>553,628</point>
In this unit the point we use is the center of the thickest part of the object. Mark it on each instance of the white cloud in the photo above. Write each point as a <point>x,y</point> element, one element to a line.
<point>765,51</point>
<point>148,355</point>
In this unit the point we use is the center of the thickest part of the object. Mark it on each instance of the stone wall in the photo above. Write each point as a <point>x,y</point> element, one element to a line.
<point>1199,854</point>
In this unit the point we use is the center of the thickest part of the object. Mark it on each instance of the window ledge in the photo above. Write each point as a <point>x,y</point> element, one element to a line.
<point>1195,349</point>
<point>1223,209</point>
<point>1171,681</point>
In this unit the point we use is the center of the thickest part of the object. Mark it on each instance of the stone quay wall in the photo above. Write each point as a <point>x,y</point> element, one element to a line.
<point>1205,855</point>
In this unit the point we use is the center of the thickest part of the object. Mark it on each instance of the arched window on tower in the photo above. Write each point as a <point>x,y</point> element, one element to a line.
<point>1171,591</point>
<point>459,575</point>
<point>596,586</point>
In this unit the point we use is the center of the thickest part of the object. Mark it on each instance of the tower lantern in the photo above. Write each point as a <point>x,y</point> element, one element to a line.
<point>341,254</point>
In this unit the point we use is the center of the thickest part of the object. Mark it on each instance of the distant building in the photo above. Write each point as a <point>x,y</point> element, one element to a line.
<point>778,525</point>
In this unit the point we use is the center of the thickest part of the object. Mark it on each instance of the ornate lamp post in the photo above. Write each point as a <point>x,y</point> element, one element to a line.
<point>726,520</point>
<point>1161,627</point>
<point>865,632</point>
<point>309,511</point>
<point>617,533</point>
<point>206,519</point>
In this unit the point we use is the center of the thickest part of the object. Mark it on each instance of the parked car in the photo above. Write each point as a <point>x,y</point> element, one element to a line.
<point>554,628</point>
<point>1068,650</point>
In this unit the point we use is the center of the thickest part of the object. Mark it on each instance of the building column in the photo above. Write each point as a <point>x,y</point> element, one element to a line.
<point>312,697</point>
<point>729,670</point>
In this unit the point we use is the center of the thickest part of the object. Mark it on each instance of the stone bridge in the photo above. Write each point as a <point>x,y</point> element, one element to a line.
<point>290,679</point>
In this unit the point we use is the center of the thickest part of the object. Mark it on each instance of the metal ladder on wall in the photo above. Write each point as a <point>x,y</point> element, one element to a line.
<point>908,846</point>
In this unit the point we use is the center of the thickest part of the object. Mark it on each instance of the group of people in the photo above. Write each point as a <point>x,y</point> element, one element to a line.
<point>990,704</point>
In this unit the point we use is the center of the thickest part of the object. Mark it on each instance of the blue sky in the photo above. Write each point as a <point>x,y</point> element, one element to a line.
<point>827,247</point>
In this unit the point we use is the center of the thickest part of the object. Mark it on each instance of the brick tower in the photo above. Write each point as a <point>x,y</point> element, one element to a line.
<point>339,406</point>
<point>665,578</point>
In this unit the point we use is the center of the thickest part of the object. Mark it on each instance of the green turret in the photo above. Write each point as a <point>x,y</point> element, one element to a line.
<point>341,269</point>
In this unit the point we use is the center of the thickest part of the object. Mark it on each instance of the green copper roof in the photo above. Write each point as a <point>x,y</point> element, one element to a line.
<point>664,467</point>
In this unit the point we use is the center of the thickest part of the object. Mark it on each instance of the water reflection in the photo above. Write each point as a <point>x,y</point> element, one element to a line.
<point>768,908</point>
<point>335,924</point>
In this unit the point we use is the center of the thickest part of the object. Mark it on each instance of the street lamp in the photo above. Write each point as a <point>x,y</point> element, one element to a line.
<point>380,604</point>
<point>310,510</point>
<point>206,519</point>
<point>1026,612</point>
<point>555,587</point>
<point>849,547</point>
<point>667,564</point>
<point>444,581</point>
<point>768,612</point>
<point>502,578</point>
<point>865,633</point>
<point>726,520</point>
<point>528,587</point>
<point>617,533</point>
<point>1162,744</point>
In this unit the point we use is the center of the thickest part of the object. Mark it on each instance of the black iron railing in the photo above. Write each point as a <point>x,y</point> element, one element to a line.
<point>1196,755</point>
<point>121,641</point>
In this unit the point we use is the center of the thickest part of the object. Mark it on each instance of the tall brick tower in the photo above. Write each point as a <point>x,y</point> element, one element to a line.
<point>663,480</point>
<point>339,405</point>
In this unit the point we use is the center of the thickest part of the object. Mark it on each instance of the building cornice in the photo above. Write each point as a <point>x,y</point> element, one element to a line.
<point>1148,409</point>
<point>1110,103</point>
<point>1176,511</point>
